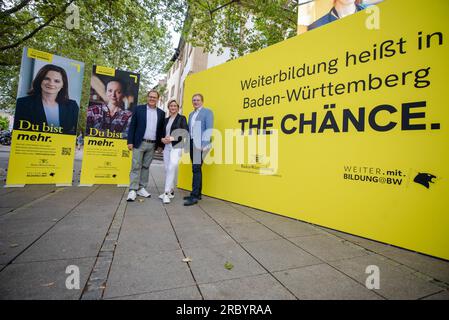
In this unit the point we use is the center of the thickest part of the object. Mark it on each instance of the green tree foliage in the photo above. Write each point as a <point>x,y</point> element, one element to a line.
<point>130,35</point>
<point>242,25</point>
<point>134,34</point>
<point>4,123</point>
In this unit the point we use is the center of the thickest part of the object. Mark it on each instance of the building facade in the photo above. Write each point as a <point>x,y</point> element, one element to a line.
<point>187,60</point>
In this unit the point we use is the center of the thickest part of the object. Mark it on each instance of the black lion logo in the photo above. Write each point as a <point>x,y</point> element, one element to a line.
<point>424,179</point>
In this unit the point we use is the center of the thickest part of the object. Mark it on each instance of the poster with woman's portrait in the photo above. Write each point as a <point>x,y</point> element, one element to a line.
<point>113,95</point>
<point>45,119</point>
<point>49,93</point>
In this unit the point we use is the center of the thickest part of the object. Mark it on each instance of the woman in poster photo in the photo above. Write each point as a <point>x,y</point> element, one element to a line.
<point>47,108</point>
<point>341,9</point>
<point>111,116</point>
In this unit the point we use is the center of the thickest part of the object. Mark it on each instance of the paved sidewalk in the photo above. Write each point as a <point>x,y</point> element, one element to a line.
<point>136,251</point>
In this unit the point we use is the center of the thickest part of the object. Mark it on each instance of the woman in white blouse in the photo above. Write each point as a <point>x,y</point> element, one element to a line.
<point>176,130</point>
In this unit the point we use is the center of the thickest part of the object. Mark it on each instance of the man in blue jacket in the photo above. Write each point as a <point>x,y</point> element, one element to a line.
<point>201,122</point>
<point>144,137</point>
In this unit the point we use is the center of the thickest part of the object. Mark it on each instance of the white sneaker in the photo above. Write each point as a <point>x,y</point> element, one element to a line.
<point>166,199</point>
<point>131,195</point>
<point>171,195</point>
<point>143,193</point>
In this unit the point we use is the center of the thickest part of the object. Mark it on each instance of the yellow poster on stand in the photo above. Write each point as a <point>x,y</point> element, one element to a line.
<point>45,120</point>
<point>106,158</point>
<point>358,120</point>
<point>39,158</point>
<point>105,161</point>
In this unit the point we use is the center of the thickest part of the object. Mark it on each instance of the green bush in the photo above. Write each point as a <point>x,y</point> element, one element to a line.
<point>4,123</point>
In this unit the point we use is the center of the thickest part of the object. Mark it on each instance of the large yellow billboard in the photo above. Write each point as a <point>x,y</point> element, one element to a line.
<point>356,117</point>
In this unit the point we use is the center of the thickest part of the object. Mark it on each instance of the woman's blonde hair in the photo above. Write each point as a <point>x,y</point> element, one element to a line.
<point>356,1</point>
<point>171,101</point>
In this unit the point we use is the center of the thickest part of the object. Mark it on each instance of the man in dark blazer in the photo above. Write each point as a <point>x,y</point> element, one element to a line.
<point>144,138</point>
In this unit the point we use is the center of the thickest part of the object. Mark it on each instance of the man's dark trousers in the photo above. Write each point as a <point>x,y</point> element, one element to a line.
<point>196,156</point>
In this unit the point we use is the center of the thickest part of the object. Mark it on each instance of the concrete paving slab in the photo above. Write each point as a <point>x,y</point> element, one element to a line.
<point>144,242</point>
<point>86,222</point>
<point>328,247</point>
<point>263,216</point>
<point>177,207</point>
<point>208,263</point>
<point>42,280</point>
<point>66,197</point>
<point>93,200</point>
<point>19,228</point>
<point>394,283</point>
<point>253,231</point>
<point>90,211</point>
<point>322,282</point>
<point>149,207</point>
<point>187,293</point>
<point>412,261</point>
<point>40,214</point>
<point>262,287</point>
<point>66,242</point>
<point>202,236</point>
<point>211,200</point>
<point>292,228</point>
<point>225,214</point>
<point>107,193</point>
<point>218,205</point>
<point>145,221</point>
<point>136,274</point>
<point>433,267</point>
<point>93,222</point>
<point>371,245</point>
<point>24,196</point>
<point>5,210</point>
<point>443,295</point>
<point>11,247</point>
<point>148,217</point>
<point>276,255</point>
<point>239,207</point>
<point>4,191</point>
<point>194,218</point>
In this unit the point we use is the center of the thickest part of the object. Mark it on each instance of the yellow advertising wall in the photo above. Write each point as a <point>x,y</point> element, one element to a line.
<point>401,147</point>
